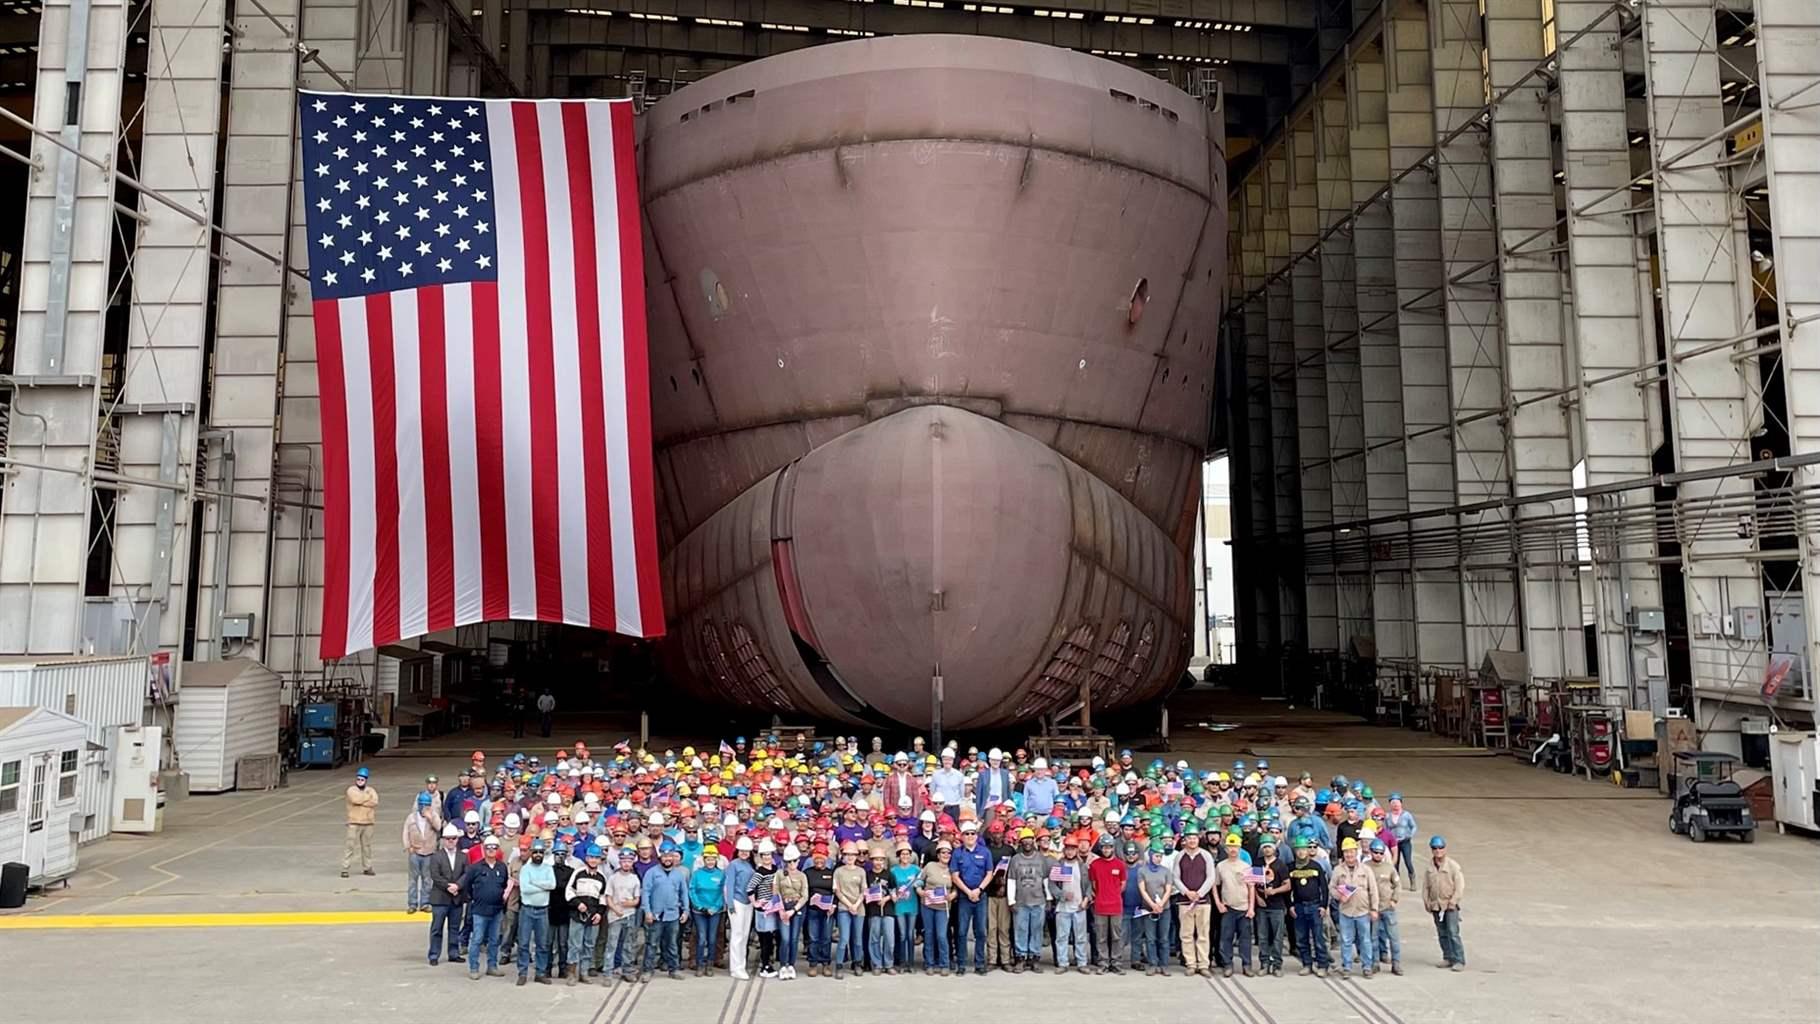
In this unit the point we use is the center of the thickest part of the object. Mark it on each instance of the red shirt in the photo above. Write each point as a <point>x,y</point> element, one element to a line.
<point>1108,877</point>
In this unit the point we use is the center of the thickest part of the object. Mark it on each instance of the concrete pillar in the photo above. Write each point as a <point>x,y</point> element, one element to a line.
<point>1260,479</point>
<point>1284,441</point>
<point>1469,255</point>
<point>63,299</point>
<point>1313,445</point>
<point>1789,39</point>
<point>1422,338</point>
<point>1613,319</point>
<point>1705,288</point>
<point>168,325</point>
<point>1380,370</point>
<point>1535,358</point>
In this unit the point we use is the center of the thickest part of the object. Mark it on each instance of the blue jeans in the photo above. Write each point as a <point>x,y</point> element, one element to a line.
<point>1310,941</point>
<point>417,881</point>
<point>445,928</point>
<point>533,926</point>
<point>662,937</point>
<point>1235,925</point>
<point>1027,932</point>
<point>1269,924</point>
<point>970,914</point>
<point>707,936</point>
<point>1071,933</point>
<point>486,932</point>
<point>850,947</point>
<point>620,948</point>
<point>1390,940</point>
<point>906,938</point>
<point>935,938</point>
<point>1447,929</point>
<point>1406,856</point>
<point>1152,937</point>
<point>881,941</point>
<point>818,922</point>
<point>1355,942</point>
<point>580,954</point>
<point>789,939</point>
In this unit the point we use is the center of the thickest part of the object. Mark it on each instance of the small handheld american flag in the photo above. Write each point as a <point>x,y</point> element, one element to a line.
<point>477,274</point>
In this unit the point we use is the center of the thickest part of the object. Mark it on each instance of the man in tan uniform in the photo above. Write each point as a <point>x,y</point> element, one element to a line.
<point>1443,887</point>
<point>363,807</point>
<point>1355,892</point>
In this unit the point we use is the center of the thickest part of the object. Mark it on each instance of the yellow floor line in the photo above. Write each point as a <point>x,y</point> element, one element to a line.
<point>317,918</point>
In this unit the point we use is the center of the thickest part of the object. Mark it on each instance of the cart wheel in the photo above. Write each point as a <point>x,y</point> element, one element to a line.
<point>1749,835</point>
<point>1696,832</point>
<point>1674,823</point>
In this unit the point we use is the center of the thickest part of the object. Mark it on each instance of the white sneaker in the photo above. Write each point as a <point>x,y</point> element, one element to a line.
<point>739,975</point>
<point>788,973</point>
<point>768,973</point>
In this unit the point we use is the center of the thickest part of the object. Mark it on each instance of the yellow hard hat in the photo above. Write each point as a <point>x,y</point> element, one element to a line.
<point>1026,833</point>
<point>1225,776</point>
<point>688,751</point>
<point>1349,843</point>
<point>1232,839</point>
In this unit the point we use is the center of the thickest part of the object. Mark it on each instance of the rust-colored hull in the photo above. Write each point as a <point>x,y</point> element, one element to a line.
<point>909,419</point>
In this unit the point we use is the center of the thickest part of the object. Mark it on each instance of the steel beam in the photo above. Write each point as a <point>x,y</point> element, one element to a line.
<point>1252,328</point>
<point>1340,356</point>
<point>1308,339</point>
<point>1251,17</point>
<point>1284,439</point>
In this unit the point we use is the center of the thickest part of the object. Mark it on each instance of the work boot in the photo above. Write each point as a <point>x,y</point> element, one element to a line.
<point>1445,964</point>
<point>494,972</point>
<point>344,874</point>
<point>568,975</point>
<point>581,978</point>
<point>1226,972</point>
<point>1320,972</point>
<point>1305,971</point>
<point>1459,967</point>
<point>1396,968</point>
<point>839,972</point>
<point>544,979</point>
<point>522,980</point>
<point>369,871</point>
<point>1247,970</point>
<point>1344,974</point>
<point>473,974</point>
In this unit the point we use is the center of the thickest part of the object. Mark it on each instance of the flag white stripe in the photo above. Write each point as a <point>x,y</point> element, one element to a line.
<point>413,544</point>
<point>613,370</point>
<point>464,476</point>
<point>362,561</point>
<point>571,479</point>
<point>514,364</point>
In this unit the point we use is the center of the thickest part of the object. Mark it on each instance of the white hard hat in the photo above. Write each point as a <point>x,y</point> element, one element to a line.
<point>792,853</point>
<point>1123,790</point>
<point>554,799</point>
<point>744,845</point>
<point>729,820</point>
<point>900,756</point>
<point>767,846</point>
<point>491,841</point>
<point>591,799</point>
<point>775,823</point>
<point>1098,761</point>
<point>1181,766</point>
<point>928,816</point>
<point>970,825</point>
<point>657,817</point>
<point>859,805</point>
<point>449,831</point>
<point>625,804</point>
<point>1112,815</point>
<point>472,817</point>
<point>995,754</point>
<point>512,820</point>
<point>903,803</point>
<point>581,816</point>
<point>1041,762</point>
<point>1281,781</point>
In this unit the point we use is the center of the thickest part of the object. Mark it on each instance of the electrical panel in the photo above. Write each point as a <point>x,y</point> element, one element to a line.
<point>1649,620</point>
<point>1747,622</point>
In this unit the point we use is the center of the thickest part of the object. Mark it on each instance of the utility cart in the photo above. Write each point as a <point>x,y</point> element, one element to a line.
<point>1707,801</point>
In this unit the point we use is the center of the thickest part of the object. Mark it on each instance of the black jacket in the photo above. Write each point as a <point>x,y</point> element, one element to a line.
<point>485,884</point>
<point>442,874</point>
<point>559,904</point>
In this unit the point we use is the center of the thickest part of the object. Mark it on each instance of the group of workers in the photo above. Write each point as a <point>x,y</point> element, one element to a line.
<point>627,862</point>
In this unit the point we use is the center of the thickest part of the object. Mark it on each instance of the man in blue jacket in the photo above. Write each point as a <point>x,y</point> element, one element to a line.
<point>484,884</point>
<point>971,866</point>
<point>995,786</point>
<point>666,903</point>
<point>1040,790</point>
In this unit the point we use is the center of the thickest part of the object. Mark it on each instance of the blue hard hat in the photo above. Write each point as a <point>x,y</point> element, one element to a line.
<point>591,853</point>
<point>667,847</point>
<point>1125,753</point>
<point>423,800</point>
<point>1324,797</point>
<point>1238,766</point>
<point>1377,846</point>
<point>362,773</point>
<point>1262,764</point>
<point>1396,796</point>
<point>739,739</point>
<point>536,846</point>
<point>1437,843</point>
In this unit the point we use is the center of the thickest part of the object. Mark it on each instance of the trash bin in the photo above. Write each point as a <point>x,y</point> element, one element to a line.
<point>13,876</point>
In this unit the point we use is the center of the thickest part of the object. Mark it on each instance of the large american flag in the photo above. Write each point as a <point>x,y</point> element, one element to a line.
<point>480,333</point>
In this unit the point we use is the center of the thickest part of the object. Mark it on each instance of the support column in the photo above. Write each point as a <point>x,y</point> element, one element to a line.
<point>1469,254</point>
<point>1340,343</point>
<point>1789,81</point>
<point>1534,357</point>
<point>1253,329</point>
<point>1380,371</point>
<point>1612,316</point>
<point>1284,445</point>
<point>1422,339</point>
<point>1705,299</point>
<point>1309,340</point>
<point>168,325</point>
<point>63,300</point>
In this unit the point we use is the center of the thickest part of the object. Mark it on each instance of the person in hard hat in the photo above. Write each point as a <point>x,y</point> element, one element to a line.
<point>739,908</point>
<point>1355,895</point>
<point>707,908</point>
<point>623,948</point>
<point>485,884</point>
<point>947,786</point>
<point>586,890</point>
<point>850,916</point>
<point>971,865</point>
<point>992,791</point>
<point>1273,907</point>
<point>1443,889</point>
<point>1155,889</point>
<point>881,916</point>
<point>1402,839</point>
<point>1234,896</point>
<point>1000,952</point>
<point>818,918</point>
<point>766,905</point>
<point>446,868</point>
<point>1068,890</point>
<point>419,837</point>
<point>904,905</point>
<point>935,889</point>
<point>536,884</point>
<point>665,903</point>
<point>362,807</point>
<point>1308,897</point>
<point>1194,881</point>
<point>793,893</point>
<point>1027,891</point>
<point>1040,790</point>
<point>1389,948</point>
<point>1107,875</point>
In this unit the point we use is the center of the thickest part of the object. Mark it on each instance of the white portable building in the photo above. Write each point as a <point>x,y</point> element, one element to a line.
<point>226,710</point>
<point>41,755</point>
<point>106,692</point>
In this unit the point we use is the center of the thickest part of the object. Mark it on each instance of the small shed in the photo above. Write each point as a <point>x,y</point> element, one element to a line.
<point>226,710</point>
<point>41,754</point>
<point>107,692</point>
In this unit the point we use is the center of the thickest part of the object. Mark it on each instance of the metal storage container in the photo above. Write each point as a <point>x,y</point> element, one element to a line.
<point>104,692</point>
<point>229,710</point>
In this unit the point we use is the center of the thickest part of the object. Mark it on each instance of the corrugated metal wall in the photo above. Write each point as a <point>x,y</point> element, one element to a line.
<point>105,693</point>
<point>197,733</point>
<point>252,719</point>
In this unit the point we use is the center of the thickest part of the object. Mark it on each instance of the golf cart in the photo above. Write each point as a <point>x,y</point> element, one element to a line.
<point>1707,801</point>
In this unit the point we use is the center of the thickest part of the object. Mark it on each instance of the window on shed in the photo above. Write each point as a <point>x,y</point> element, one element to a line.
<point>66,775</point>
<point>9,787</point>
<point>69,704</point>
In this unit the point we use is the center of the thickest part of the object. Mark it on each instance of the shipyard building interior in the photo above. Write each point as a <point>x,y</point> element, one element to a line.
<point>1507,392</point>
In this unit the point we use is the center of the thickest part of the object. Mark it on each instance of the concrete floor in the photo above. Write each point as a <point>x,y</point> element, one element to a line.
<point>1581,907</point>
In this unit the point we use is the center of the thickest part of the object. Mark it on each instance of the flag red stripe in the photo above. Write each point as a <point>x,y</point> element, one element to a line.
<point>593,398</point>
<point>489,451</point>
<point>334,397</point>
<point>546,497</point>
<point>638,374</point>
<point>385,468</point>
<point>438,511</point>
